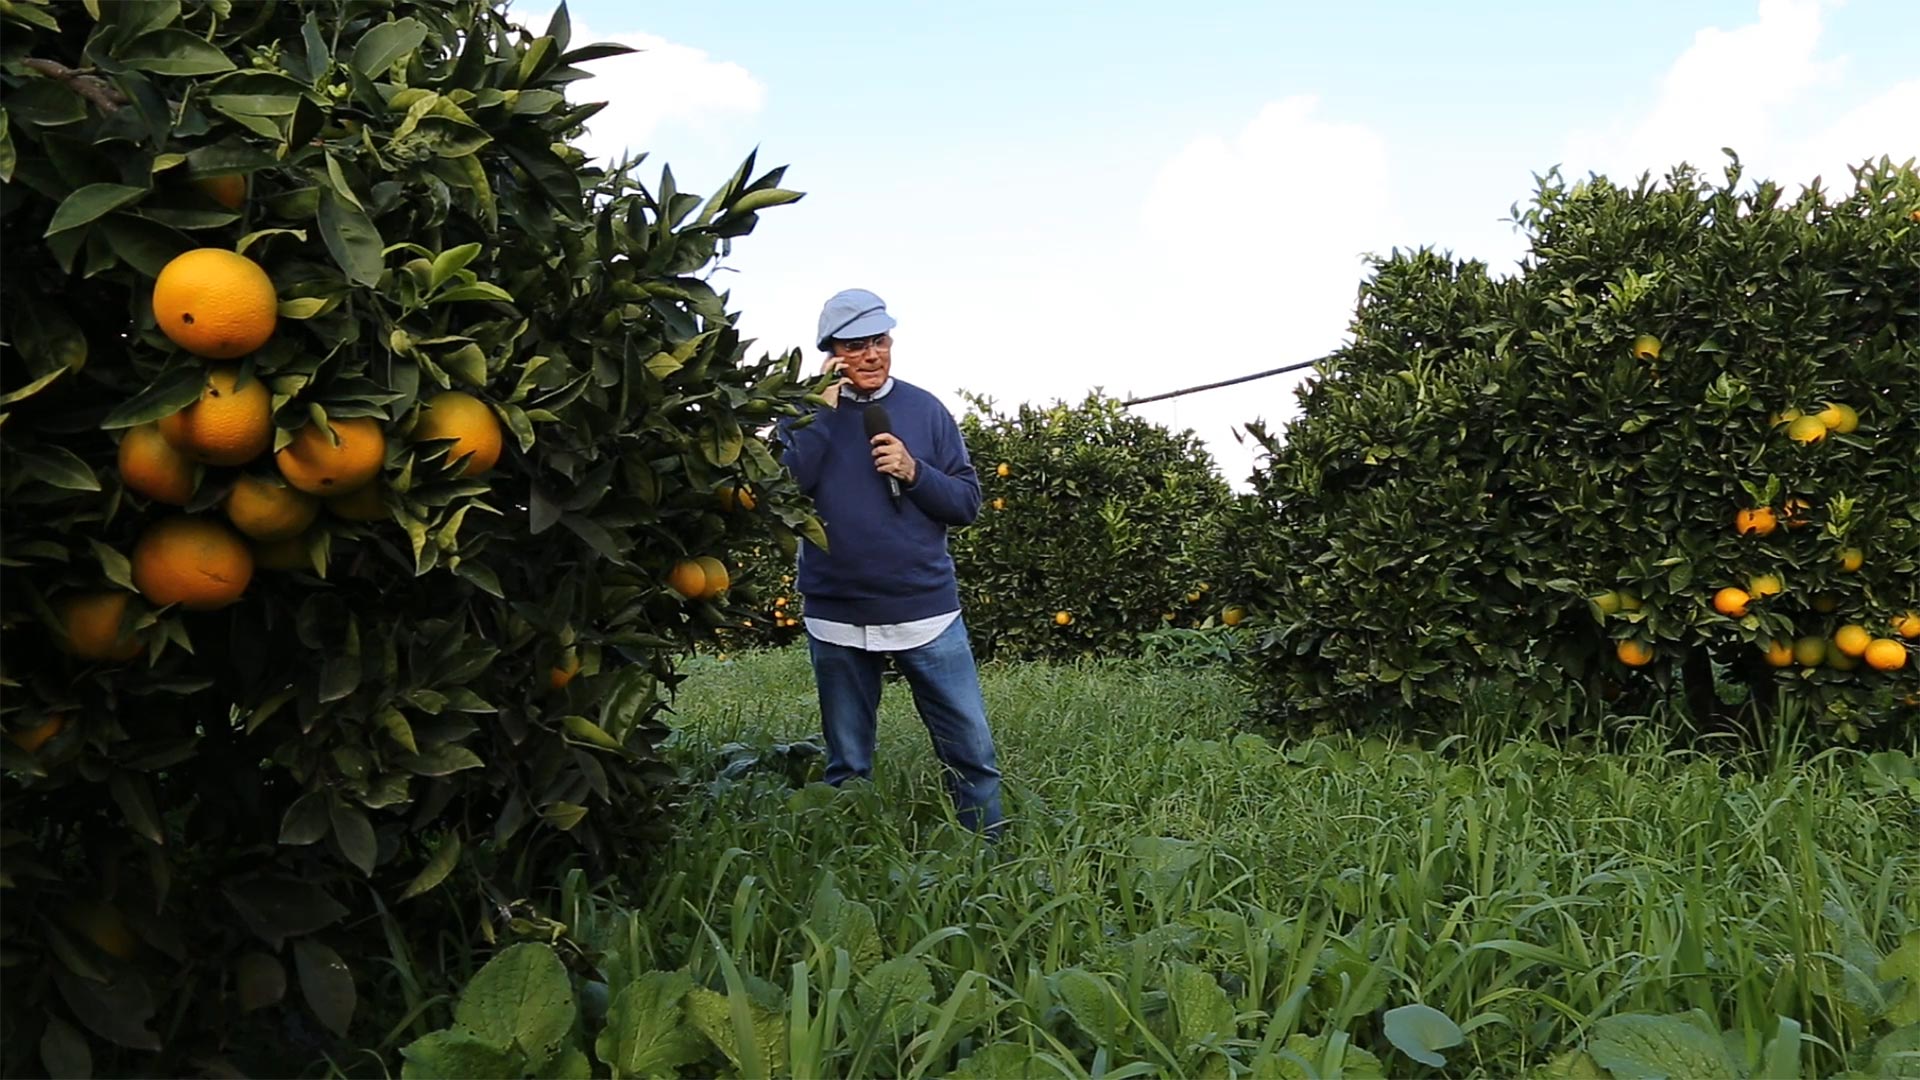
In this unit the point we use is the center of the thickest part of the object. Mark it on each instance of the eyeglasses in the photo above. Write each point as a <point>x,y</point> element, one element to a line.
<point>856,346</point>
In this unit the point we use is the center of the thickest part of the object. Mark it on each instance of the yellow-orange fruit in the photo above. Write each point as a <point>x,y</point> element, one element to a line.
<point>317,464</point>
<point>559,677</point>
<point>1633,653</point>
<point>215,303</point>
<point>268,509</point>
<point>1780,653</point>
<point>33,738</point>
<point>227,189</point>
<point>150,466</point>
<point>231,423</point>
<point>1759,521</point>
<point>90,626</point>
<point>469,422</point>
<point>1062,618</point>
<point>687,579</point>
<point>717,578</point>
<point>1908,625</point>
<point>197,563</point>
<point>1886,654</point>
<point>1731,602</point>
<point>1852,639</point>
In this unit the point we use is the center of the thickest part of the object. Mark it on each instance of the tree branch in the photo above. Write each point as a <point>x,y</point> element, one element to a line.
<point>81,81</point>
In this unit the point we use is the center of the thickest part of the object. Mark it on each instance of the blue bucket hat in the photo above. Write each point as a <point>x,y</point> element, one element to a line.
<point>853,313</point>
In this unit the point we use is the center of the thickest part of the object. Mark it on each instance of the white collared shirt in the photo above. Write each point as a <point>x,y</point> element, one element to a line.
<point>880,637</point>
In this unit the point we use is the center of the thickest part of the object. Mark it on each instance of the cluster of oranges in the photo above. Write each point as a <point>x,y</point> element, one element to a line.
<point>221,306</point>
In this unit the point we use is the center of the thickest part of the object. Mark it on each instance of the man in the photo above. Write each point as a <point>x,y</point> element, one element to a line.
<point>885,587</point>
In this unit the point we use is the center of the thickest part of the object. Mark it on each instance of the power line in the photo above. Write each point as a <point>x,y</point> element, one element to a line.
<point>1218,385</point>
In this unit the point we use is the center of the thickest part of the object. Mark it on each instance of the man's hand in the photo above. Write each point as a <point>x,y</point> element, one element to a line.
<point>833,366</point>
<point>890,457</point>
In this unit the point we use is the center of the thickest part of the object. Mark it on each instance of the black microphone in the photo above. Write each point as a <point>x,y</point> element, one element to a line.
<point>879,423</point>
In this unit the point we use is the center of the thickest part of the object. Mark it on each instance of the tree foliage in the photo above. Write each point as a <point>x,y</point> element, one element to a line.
<point>1503,479</point>
<point>206,833</point>
<point>1104,526</point>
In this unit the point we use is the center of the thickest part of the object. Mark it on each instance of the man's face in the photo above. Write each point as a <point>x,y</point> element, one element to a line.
<point>866,361</point>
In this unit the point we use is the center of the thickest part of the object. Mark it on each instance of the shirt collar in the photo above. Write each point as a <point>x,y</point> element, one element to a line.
<point>885,389</point>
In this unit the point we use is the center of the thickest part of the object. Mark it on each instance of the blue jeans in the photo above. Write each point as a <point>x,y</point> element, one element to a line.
<point>946,692</point>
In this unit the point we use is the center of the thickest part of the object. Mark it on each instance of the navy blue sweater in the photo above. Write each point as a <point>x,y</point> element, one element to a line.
<point>884,564</point>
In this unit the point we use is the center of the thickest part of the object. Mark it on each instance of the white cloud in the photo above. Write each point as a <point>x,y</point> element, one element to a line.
<point>1258,244</point>
<point>1752,89</point>
<point>662,85</point>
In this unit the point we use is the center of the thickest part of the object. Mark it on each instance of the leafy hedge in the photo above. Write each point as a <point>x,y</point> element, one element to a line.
<point>1506,480</point>
<point>1097,526</point>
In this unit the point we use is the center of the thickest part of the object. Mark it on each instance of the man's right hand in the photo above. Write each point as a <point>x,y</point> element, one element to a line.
<point>833,366</point>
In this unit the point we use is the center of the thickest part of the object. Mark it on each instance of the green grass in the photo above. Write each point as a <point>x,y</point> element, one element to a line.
<point>1186,898</point>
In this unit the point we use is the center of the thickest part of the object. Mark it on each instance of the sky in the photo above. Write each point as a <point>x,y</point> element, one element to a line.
<point>1061,197</point>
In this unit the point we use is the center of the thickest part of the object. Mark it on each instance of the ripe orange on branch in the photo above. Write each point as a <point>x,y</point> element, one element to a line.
<point>231,423</point>
<point>469,422</point>
<point>215,303</point>
<point>1756,522</point>
<point>267,509</point>
<point>1886,654</point>
<point>1633,653</point>
<point>1731,602</point>
<point>150,466</point>
<point>90,626</point>
<point>344,461</point>
<point>195,562</point>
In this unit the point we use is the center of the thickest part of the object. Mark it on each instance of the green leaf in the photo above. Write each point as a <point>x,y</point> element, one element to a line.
<point>90,203</point>
<point>720,442</point>
<point>1421,1032</point>
<point>135,799</point>
<point>351,239</point>
<point>441,760</point>
<point>114,565</point>
<point>327,984</point>
<point>1204,1011</point>
<point>57,466</point>
<point>1640,1047</point>
<point>890,993</point>
<point>459,1055</point>
<point>175,389</point>
<point>1781,1061</point>
<point>1897,1054</point>
<point>760,200</point>
<point>354,833</point>
<point>34,387</point>
<point>523,998</point>
<point>386,44</point>
<point>646,1033</point>
<point>474,290</point>
<point>1904,963</point>
<point>303,307</point>
<point>175,52</point>
<point>306,820</point>
<point>445,858</point>
<point>450,262</point>
<point>587,731</point>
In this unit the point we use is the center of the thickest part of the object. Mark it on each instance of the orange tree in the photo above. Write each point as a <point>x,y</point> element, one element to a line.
<point>1095,526</point>
<point>1671,459</point>
<point>353,428</point>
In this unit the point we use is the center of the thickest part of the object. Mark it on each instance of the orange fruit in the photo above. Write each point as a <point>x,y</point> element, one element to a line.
<point>1062,618</point>
<point>231,423</point>
<point>1908,625</point>
<point>688,579</point>
<point>322,464</point>
<point>1608,602</point>
<point>1630,602</point>
<point>90,626</point>
<point>103,925</point>
<point>1785,416</point>
<point>1807,429</point>
<point>33,738</point>
<point>228,189</point>
<point>1840,661</point>
<point>1796,511</point>
<point>999,504</point>
<point>195,562</point>
<point>1003,470</point>
<point>559,677</point>
<point>1731,602</point>
<point>1779,653</point>
<point>780,601</point>
<point>367,503</point>
<point>469,422</point>
<point>717,579</point>
<point>1810,652</point>
<point>1764,585</point>
<point>1633,653</point>
<point>1886,654</point>
<point>287,554</point>
<point>150,466</point>
<point>1233,615</point>
<point>267,509</point>
<point>736,495</point>
<point>1852,639</point>
<point>1646,347</point>
<point>1840,419</point>
<point>1756,522</point>
<point>1851,559</point>
<point>215,303</point>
